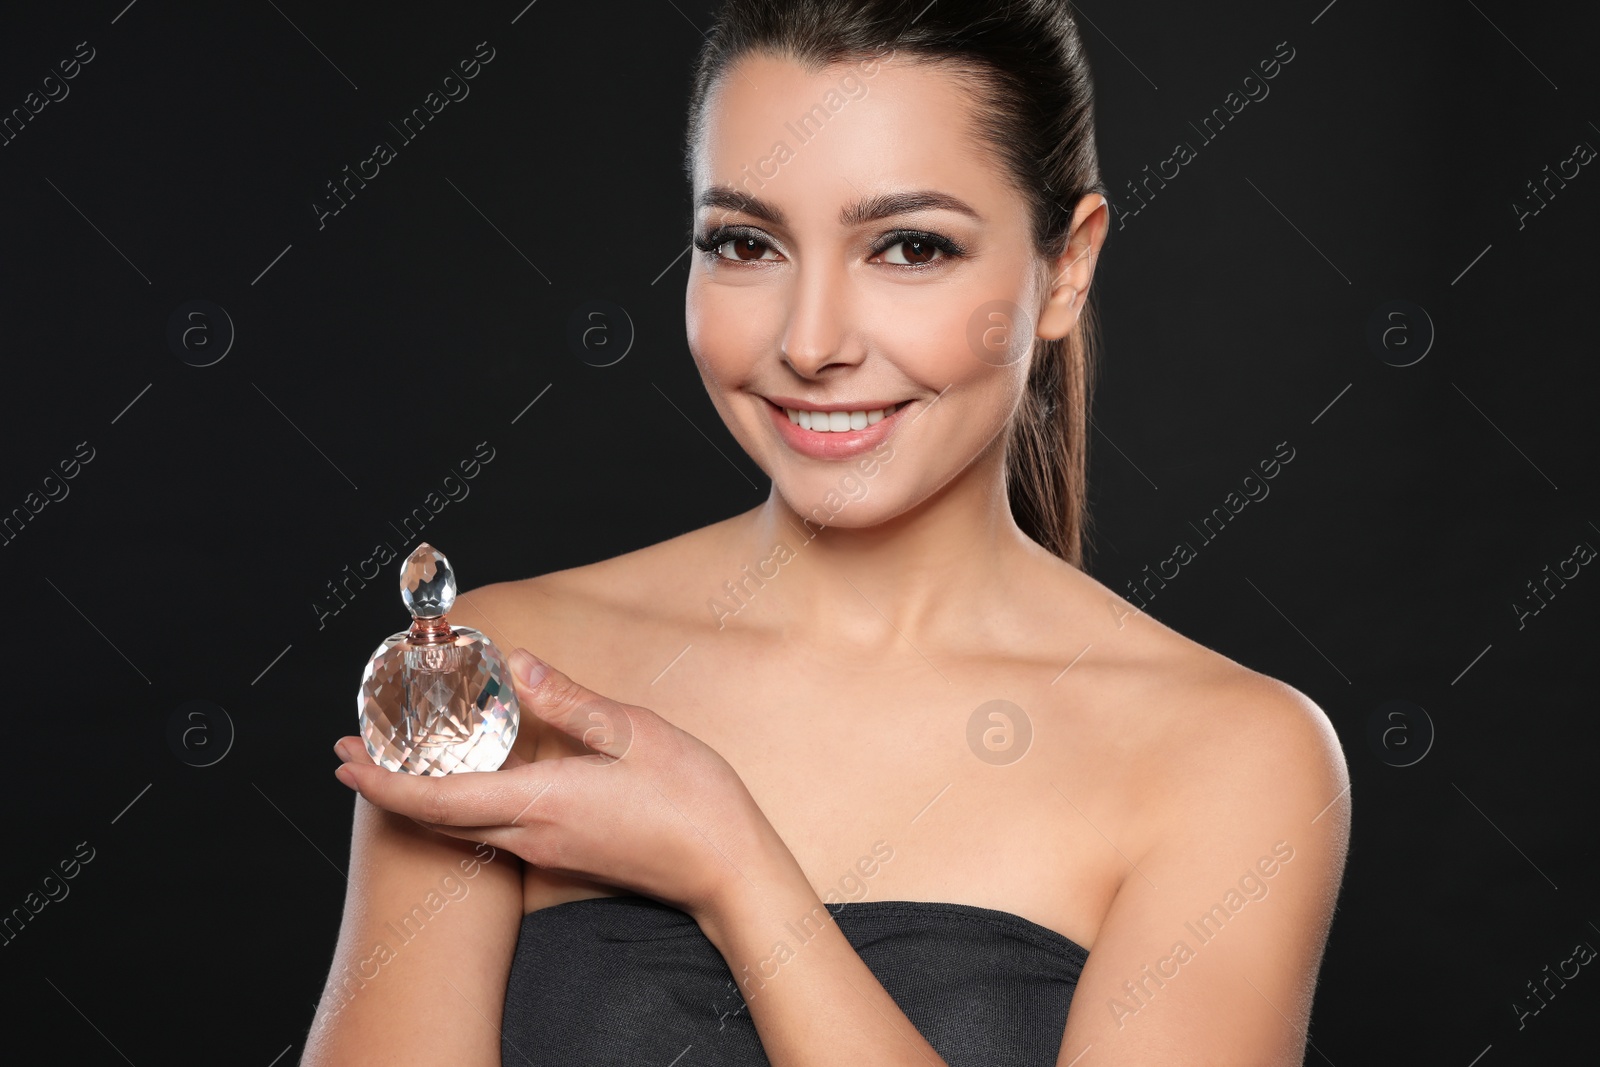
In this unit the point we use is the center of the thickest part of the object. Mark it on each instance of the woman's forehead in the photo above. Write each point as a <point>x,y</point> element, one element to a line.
<point>788,135</point>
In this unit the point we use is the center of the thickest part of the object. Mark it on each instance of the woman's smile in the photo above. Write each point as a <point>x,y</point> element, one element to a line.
<point>832,432</point>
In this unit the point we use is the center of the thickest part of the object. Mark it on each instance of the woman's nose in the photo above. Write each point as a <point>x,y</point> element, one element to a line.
<point>820,330</point>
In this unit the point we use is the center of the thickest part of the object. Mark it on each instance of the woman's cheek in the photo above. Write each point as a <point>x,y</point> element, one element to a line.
<point>934,334</point>
<point>727,328</point>
<point>697,323</point>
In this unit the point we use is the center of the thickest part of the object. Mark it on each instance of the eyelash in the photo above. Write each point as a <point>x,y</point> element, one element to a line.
<point>711,242</point>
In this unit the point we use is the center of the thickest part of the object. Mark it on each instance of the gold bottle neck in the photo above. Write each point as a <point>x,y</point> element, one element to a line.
<point>430,632</point>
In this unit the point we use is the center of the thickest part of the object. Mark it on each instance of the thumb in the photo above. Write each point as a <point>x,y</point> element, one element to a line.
<point>600,723</point>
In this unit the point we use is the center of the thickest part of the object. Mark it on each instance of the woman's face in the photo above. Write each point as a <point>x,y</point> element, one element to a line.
<point>823,294</point>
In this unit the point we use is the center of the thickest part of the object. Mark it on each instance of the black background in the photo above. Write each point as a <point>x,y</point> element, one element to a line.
<point>374,353</point>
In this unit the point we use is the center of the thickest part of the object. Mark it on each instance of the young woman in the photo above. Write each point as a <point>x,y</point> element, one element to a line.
<point>873,773</point>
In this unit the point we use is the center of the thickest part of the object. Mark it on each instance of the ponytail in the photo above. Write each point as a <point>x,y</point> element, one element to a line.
<point>1047,452</point>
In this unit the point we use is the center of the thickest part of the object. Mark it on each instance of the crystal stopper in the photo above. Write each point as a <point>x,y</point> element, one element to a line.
<point>427,583</point>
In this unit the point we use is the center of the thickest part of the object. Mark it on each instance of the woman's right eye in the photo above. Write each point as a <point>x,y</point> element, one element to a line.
<point>746,248</point>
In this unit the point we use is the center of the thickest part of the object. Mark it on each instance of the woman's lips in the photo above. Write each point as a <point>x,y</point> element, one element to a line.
<point>834,444</point>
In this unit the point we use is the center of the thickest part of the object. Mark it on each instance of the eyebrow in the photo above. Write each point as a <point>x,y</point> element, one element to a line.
<point>868,209</point>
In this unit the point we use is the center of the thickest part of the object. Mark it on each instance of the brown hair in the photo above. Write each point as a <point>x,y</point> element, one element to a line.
<point>1035,105</point>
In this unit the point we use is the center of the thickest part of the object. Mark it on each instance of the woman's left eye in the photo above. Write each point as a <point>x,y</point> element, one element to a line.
<point>920,249</point>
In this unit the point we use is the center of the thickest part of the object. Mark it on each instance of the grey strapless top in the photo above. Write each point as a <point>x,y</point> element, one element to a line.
<point>627,980</point>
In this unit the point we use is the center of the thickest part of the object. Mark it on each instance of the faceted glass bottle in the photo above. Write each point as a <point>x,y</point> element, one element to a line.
<point>436,699</point>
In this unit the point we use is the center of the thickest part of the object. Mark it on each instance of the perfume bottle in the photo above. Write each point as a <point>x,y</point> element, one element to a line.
<point>436,699</point>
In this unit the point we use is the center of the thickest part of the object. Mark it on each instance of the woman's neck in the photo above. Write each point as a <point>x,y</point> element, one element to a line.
<point>922,577</point>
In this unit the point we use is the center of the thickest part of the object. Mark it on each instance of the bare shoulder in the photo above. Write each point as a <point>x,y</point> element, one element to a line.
<point>1246,766</point>
<point>1212,737</point>
<point>1242,813</point>
<point>544,603</point>
<point>1256,740</point>
<point>585,620</point>
<point>594,620</point>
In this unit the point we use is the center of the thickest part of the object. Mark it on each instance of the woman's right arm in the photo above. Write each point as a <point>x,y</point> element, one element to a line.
<point>424,950</point>
<point>419,974</point>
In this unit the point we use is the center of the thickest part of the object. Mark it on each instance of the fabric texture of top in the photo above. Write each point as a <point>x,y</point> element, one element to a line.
<point>627,980</point>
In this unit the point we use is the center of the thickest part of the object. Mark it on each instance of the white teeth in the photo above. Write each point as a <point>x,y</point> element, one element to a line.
<point>839,421</point>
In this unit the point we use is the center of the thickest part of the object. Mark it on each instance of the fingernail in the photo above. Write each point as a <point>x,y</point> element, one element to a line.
<point>528,667</point>
<point>345,775</point>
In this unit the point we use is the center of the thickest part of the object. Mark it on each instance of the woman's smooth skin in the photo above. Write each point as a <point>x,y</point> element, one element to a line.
<point>1159,774</point>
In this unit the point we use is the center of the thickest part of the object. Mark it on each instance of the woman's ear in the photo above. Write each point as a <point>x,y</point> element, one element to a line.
<point>1074,269</point>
